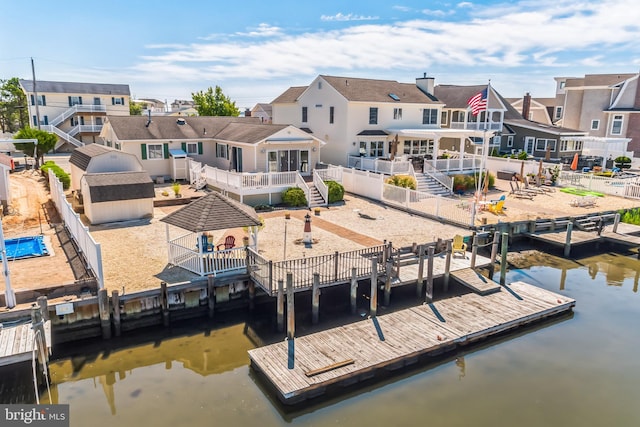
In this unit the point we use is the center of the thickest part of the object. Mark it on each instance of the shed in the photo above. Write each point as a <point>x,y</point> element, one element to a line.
<point>96,158</point>
<point>117,196</point>
<point>6,165</point>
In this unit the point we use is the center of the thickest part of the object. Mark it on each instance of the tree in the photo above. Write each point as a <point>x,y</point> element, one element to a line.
<point>13,106</point>
<point>212,103</point>
<point>135,108</point>
<point>46,142</point>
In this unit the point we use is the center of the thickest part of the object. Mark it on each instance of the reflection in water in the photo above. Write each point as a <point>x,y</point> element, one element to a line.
<point>460,364</point>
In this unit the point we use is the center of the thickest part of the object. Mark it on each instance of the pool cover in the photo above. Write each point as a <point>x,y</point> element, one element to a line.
<point>25,247</point>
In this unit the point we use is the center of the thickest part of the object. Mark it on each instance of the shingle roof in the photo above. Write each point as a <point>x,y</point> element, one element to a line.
<point>110,187</point>
<point>213,212</point>
<point>249,133</point>
<point>541,127</point>
<point>597,80</point>
<point>73,87</point>
<point>81,156</point>
<point>455,96</point>
<point>370,90</point>
<point>128,128</point>
<point>290,95</point>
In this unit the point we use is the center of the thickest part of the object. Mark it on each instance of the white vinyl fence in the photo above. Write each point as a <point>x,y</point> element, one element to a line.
<point>623,187</point>
<point>89,248</point>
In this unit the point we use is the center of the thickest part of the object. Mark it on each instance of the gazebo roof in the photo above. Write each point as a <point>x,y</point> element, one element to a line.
<point>213,212</point>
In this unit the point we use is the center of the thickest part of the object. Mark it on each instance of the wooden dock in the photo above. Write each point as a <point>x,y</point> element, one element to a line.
<point>475,281</point>
<point>305,367</point>
<point>17,343</point>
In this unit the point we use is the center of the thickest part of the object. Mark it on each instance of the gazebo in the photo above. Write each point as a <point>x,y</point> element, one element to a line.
<point>195,251</point>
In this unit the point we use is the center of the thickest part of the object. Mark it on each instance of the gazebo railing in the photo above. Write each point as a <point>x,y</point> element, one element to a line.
<point>184,253</point>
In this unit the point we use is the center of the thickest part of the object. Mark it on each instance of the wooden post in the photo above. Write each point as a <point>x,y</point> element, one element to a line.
<point>280,306</point>
<point>567,242</point>
<point>336,257</point>
<point>252,295</point>
<point>105,318</point>
<point>291,315</point>
<point>447,267</point>
<point>616,221</point>
<point>354,290</point>
<point>211,293</point>
<point>387,283</point>
<point>115,301</point>
<point>270,276</point>
<point>315,298</point>
<point>44,307</point>
<point>494,253</point>
<point>474,249</point>
<point>164,303</point>
<point>37,323</point>
<point>429,296</point>
<point>373,302</point>
<point>503,258</point>
<point>414,247</point>
<point>420,270</point>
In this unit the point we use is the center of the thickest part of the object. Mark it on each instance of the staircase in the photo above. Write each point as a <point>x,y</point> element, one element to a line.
<point>64,137</point>
<point>427,184</point>
<point>316,198</point>
<point>586,224</point>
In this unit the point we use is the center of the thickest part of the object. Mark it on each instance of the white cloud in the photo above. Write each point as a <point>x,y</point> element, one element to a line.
<point>402,8</point>
<point>348,17</point>
<point>263,30</point>
<point>465,4</point>
<point>431,12</point>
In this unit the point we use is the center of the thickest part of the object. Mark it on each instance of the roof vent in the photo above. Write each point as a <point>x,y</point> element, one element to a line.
<point>394,97</point>
<point>181,122</point>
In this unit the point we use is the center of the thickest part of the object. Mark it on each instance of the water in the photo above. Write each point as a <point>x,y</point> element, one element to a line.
<point>578,370</point>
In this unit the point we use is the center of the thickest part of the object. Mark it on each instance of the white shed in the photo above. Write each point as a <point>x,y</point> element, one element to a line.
<point>96,158</point>
<point>6,165</point>
<point>118,196</point>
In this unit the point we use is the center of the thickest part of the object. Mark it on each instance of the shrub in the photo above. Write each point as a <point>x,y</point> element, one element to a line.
<point>294,196</point>
<point>336,191</point>
<point>523,155</point>
<point>630,216</point>
<point>623,162</point>
<point>404,181</point>
<point>62,176</point>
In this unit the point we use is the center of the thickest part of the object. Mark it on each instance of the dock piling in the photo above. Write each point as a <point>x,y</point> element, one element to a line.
<point>315,299</point>
<point>567,242</point>
<point>430,252</point>
<point>503,258</point>
<point>447,267</point>
<point>115,301</point>
<point>211,292</point>
<point>105,315</point>
<point>354,290</point>
<point>373,302</point>
<point>164,303</point>
<point>280,306</point>
<point>291,315</point>
<point>420,270</point>
<point>474,249</point>
<point>387,282</point>
<point>616,221</point>
<point>44,307</point>
<point>494,253</point>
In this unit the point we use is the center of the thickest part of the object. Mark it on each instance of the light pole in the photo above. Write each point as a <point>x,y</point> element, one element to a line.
<point>286,221</point>
<point>9,296</point>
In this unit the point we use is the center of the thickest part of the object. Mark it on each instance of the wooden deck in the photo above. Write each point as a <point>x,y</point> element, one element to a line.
<point>409,273</point>
<point>304,367</point>
<point>17,343</point>
<point>475,281</point>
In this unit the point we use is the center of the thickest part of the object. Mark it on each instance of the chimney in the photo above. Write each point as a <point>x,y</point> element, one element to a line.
<point>247,112</point>
<point>426,84</point>
<point>148,120</point>
<point>526,106</point>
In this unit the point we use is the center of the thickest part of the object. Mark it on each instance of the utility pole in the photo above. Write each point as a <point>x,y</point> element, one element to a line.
<point>35,93</point>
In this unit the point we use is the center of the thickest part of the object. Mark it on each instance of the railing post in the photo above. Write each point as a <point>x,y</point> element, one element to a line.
<point>429,295</point>
<point>354,289</point>
<point>447,267</point>
<point>373,301</point>
<point>336,257</point>
<point>291,316</point>
<point>315,298</point>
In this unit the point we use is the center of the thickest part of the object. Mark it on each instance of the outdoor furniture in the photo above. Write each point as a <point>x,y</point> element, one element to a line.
<point>497,207</point>
<point>584,202</point>
<point>207,243</point>
<point>229,243</point>
<point>516,191</point>
<point>535,189</point>
<point>458,246</point>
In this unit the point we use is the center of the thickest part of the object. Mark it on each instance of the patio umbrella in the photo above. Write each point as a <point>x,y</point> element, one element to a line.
<point>485,189</point>
<point>394,147</point>
<point>547,155</point>
<point>574,163</point>
<point>540,169</point>
<point>522,171</point>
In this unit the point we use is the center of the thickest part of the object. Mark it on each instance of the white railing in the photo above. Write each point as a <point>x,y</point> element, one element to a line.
<point>388,167</point>
<point>442,178</point>
<point>622,187</point>
<point>78,108</point>
<point>465,164</point>
<point>244,182</point>
<point>84,128</point>
<point>322,188</point>
<point>63,135</point>
<point>79,232</point>
<point>331,173</point>
<point>475,125</point>
<point>182,254</point>
<point>300,183</point>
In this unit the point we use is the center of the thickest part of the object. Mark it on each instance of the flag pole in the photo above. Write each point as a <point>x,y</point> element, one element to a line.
<point>485,146</point>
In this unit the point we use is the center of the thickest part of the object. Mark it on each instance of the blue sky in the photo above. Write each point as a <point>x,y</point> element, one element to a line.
<point>255,50</point>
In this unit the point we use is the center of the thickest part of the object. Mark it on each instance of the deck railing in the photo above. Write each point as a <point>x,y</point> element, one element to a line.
<point>387,167</point>
<point>320,185</point>
<point>622,187</point>
<point>333,268</point>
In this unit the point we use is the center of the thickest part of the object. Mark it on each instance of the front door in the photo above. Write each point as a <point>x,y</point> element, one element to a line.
<point>529,144</point>
<point>288,160</point>
<point>236,159</point>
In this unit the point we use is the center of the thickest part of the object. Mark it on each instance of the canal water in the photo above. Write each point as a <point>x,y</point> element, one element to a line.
<point>576,370</point>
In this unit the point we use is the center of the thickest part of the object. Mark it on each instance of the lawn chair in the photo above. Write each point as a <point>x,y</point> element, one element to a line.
<point>533,189</point>
<point>229,243</point>
<point>458,246</point>
<point>496,207</point>
<point>584,202</point>
<point>516,191</point>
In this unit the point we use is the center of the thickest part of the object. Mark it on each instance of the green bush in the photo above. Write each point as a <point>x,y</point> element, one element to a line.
<point>623,162</point>
<point>62,176</point>
<point>336,191</point>
<point>523,155</point>
<point>404,181</point>
<point>630,216</point>
<point>294,197</point>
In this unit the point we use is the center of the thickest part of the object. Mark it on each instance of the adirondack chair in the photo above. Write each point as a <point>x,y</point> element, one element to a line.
<point>458,246</point>
<point>516,191</point>
<point>496,207</point>
<point>229,242</point>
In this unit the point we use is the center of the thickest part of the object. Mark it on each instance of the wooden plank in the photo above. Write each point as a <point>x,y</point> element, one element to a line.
<point>6,346</point>
<point>329,368</point>
<point>474,281</point>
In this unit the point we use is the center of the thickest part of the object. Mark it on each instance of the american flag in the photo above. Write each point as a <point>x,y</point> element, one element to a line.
<point>478,102</point>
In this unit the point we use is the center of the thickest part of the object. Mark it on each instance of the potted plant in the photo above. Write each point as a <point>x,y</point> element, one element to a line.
<point>176,188</point>
<point>555,173</point>
<point>316,211</point>
<point>622,162</point>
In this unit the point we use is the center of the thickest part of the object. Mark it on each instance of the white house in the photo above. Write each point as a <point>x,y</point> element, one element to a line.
<point>95,158</point>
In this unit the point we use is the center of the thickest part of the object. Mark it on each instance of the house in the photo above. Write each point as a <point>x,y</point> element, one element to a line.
<point>538,110</point>
<point>235,144</point>
<point>109,185</point>
<point>183,105</point>
<point>605,105</point>
<point>155,106</point>
<point>6,165</point>
<point>74,111</point>
<point>263,111</point>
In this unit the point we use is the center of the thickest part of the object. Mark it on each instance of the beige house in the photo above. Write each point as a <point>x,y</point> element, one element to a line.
<point>263,111</point>
<point>75,112</point>
<point>605,105</point>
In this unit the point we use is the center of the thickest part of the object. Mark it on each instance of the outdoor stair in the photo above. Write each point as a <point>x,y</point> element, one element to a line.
<point>316,197</point>
<point>427,184</point>
<point>405,256</point>
<point>586,224</point>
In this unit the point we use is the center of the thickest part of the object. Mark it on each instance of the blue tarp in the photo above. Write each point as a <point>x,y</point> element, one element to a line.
<point>25,247</point>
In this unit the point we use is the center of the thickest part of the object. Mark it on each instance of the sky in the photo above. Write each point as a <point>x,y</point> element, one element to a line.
<point>255,50</point>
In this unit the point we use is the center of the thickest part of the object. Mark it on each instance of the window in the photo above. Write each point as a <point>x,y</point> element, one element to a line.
<point>616,125</point>
<point>443,118</point>
<point>117,101</point>
<point>99,121</point>
<point>319,85</point>
<point>154,151</point>
<point>373,116</point>
<point>304,115</point>
<point>331,111</point>
<point>542,144</point>
<point>457,117</point>
<point>418,147</point>
<point>397,114</point>
<point>75,100</point>
<point>510,141</point>
<point>429,116</point>
<point>42,100</point>
<point>595,124</point>
<point>558,114</point>
<point>192,148</point>
<point>222,151</point>
<point>43,121</point>
<point>372,148</point>
<point>562,83</point>
<point>96,101</point>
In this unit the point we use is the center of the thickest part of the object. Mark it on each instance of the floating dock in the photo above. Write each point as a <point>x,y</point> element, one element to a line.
<point>17,343</point>
<point>305,367</point>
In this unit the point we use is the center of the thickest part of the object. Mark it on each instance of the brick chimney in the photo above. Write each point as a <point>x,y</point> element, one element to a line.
<point>426,84</point>
<point>247,112</point>
<point>526,105</point>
